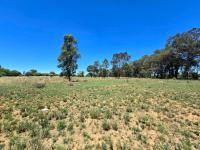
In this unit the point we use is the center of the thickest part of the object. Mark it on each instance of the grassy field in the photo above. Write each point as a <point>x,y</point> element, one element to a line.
<point>99,114</point>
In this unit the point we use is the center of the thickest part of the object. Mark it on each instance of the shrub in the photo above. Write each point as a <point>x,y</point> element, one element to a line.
<point>2,146</point>
<point>71,84</point>
<point>126,118</point>
<point>95,113</point>
<point>187,145</point>
<point>114,126</point>
<point>70,127</point>
<point>68,140</point>
<point>86,135</point>
<point>39,85</point>
<point>35,143</point>
<point>7,127</point>
<point>108,114</point>
<point>161,128</point>
<point>45,133</point>
<point>34,130</point>
<point>103,146</point>
<point>60,147</point>
<point>61,125</point>
<point>106,125</point>
<point>64,111</point>
<point>136,130</point>
<point>142,138</point>
<point>109,142</point>
<point>61,114</point>
<point>17,143</point>
<point>145,120</point>
<point>129,109</point>
<point>23,126</point>
<point>82,117</point>
<point>44,122</point>
<point>88,147</point>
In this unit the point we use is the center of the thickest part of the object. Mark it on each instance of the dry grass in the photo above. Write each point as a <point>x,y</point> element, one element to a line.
<point>99,114</point>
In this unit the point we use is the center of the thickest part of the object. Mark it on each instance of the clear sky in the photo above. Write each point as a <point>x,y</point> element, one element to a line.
<point>31,31</point>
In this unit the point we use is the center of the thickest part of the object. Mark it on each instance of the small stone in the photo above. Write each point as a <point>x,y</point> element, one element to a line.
<point>45,109</point>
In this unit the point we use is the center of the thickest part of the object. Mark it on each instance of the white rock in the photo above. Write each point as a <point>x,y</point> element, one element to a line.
<point>45,109</point>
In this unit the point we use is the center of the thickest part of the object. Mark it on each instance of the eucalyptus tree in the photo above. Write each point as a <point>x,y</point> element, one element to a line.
<point>91,70</point>
<point>118,61</point>
<point>104,69</point>
<point>68,57</point>
<point>186,47</point>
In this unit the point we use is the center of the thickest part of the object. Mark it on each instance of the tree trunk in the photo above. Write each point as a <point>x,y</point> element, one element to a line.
<point>176,72</point>
<point>69,78</point>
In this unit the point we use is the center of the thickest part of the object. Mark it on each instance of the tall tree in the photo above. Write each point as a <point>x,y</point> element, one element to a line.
<point>68,57</point>
<point>94,70</point>
<point>127,70</point>
<point>32,72</point>
<point>186,47</point>
<point>97,68</point>
<point>104,68</point>
<point>52,73</point>
<point>91,70</point>
<point>118,61</point>
<point>80,74</point>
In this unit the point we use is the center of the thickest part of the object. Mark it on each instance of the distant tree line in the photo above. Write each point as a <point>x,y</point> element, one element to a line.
<point>32,72</point>
<point>8,72</point>
<point>180,58</point>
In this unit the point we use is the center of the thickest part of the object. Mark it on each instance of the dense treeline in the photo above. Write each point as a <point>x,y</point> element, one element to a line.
<point>180,58</point>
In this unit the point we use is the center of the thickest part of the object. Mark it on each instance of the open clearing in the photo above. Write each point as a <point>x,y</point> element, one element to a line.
<point>94,113</point>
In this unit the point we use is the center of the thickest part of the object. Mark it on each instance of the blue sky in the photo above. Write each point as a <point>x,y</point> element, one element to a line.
<point>31,31</point>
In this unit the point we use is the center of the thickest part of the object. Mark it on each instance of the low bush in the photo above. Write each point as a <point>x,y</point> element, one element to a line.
<point>61,125</point>
<point>39,85</point>
<point>95,113</point>
<point>106,125</point>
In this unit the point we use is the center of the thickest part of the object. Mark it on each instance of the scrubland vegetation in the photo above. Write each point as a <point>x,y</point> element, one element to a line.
<point>99,113</point>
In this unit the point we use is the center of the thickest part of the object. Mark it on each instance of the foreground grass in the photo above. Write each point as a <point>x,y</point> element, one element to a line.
<point>99,114</point>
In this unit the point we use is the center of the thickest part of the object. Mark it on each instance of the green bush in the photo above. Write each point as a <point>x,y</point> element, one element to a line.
<point>114,126</point>
<point>23,126</point>
<point>70,127</point>
<point>106,125</point>
<point>45,133</point>
<point>61,125</point>
<point>39,85</point>
<point>108,114</point>
<point>95,113</point>
<point>17,143</point>
<point>126,118</point>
